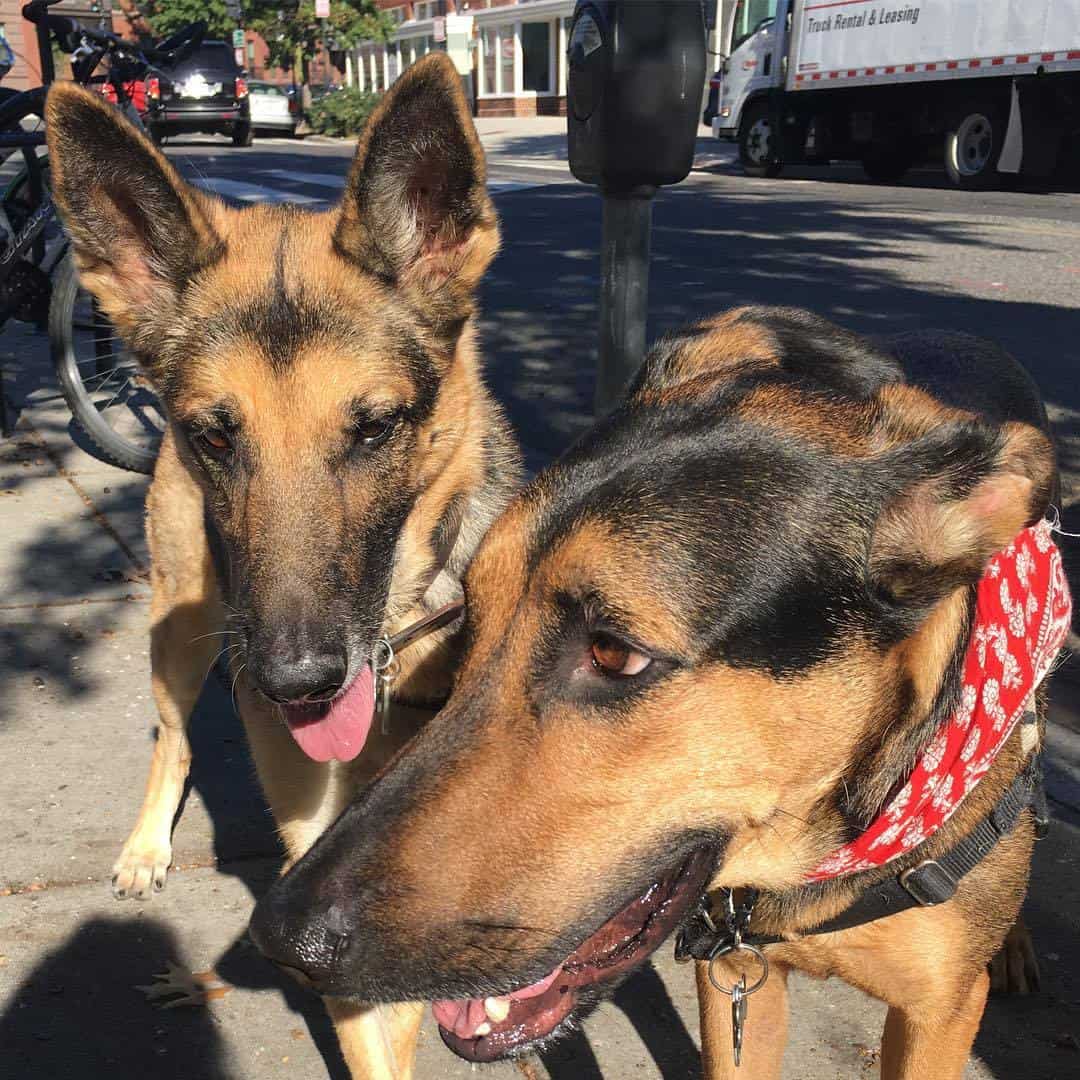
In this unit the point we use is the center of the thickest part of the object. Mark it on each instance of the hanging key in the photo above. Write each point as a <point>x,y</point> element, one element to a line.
<point>386,670</point>
<point>738,1017</point>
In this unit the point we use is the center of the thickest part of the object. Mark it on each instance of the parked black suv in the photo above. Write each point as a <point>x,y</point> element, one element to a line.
<point>207,92</point>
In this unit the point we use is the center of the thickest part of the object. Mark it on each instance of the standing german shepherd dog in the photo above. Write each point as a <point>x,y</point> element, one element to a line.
<point>331,460</point>
<point>704,650</point>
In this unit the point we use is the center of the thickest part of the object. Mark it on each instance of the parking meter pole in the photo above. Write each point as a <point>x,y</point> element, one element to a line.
<point>624,291</point>
<point>635,76</point>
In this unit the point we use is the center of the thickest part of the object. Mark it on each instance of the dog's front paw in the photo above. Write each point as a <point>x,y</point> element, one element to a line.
<point>1015,967</point>
<point>141,870</point>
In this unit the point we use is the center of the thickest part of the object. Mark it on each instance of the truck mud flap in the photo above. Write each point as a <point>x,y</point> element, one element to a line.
<point>1033,136</point>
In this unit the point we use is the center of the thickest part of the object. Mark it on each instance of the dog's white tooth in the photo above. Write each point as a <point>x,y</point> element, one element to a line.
<point>482,1029</point>
<point>497,1008</point>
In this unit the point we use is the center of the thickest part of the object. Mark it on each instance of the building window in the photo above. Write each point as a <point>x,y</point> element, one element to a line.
<point>560,52</point>
<point>506,59</point>
<point>489,43</point>
<point>536,57</point>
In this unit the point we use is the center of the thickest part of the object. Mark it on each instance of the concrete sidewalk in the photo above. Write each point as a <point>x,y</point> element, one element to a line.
<point>76,723</point>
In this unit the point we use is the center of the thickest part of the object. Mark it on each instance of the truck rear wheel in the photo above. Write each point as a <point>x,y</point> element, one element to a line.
<point>757,147</point>
<point>973,141</point>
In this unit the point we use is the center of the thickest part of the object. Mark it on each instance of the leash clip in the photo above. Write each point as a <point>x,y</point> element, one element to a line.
<point>739,992</point>
<point>386,667</point>
<point>713,940</point>
<point>384,661</point>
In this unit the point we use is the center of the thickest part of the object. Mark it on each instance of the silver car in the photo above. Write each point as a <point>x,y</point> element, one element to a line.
<point>272,107</point>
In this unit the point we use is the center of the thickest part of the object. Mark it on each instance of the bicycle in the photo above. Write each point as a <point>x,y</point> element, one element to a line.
<point>110,400</point>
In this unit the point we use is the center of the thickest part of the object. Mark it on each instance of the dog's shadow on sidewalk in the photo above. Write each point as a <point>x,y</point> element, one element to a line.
<point>246,847</point>
<point>73,1015</point>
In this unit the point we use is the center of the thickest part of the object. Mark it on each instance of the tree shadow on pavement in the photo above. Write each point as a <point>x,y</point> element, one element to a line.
<point>645,1001</point>
<point>859,263</point>
<point>78,1014</point>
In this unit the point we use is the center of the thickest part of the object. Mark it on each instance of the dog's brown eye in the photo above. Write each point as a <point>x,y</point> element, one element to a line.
<point>615,658</point>
<point>372,432</point>
<point>215,441</point>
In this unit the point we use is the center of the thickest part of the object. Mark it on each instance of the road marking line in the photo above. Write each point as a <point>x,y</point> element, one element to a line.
<point>248,192</point>
<point>547,164</point>
<point>501,187</point>
<point>245,191</point>
<point>315,179</point>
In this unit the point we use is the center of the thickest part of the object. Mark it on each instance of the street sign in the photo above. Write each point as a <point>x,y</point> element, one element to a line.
<point>239,54</point>
<point>322,9</point>
<point>238,39</point>
<point>438,28</point>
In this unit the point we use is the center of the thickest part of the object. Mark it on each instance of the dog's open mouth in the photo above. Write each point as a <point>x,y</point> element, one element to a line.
<point>494,1027</point>
<point>338,729</point>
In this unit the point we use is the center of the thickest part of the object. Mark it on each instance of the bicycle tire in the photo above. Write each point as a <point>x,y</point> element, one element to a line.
<point>108,444</point>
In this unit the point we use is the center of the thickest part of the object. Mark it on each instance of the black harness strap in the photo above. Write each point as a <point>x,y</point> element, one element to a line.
<point>930,882</point>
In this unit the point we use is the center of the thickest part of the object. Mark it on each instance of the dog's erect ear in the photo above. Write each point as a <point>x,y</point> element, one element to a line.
<point>416,210</point>
<point>139,233</point>
<point>980,486</point>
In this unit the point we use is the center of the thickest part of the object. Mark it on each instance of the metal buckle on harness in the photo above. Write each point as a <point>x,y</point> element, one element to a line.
<point>929,883</point>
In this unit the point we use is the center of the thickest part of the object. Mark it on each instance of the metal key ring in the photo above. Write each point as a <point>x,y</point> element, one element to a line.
<point>380,665</point>
<point>726,950</point>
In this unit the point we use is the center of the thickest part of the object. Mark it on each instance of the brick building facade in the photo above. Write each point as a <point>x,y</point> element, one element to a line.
<point>22,35</point>
<point>511,52</point>
<point>516,50</point>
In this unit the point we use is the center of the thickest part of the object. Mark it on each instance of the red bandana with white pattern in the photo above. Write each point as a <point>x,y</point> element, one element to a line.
<point>1023,612</point>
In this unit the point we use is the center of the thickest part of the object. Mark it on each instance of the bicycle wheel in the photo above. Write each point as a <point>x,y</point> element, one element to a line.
<point>109,397</point>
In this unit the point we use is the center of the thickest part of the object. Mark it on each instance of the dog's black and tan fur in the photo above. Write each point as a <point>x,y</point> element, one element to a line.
<point>784,521</point>
<point>332,457</point>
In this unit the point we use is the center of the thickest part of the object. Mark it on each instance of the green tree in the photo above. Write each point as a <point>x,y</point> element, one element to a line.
<point>294,35</point>
<point>165,16</point>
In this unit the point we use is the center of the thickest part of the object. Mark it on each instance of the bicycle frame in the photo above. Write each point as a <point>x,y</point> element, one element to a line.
<point>83,67</point>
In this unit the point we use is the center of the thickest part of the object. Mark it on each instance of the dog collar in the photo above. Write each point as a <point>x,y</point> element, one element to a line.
<point>1023,612</point>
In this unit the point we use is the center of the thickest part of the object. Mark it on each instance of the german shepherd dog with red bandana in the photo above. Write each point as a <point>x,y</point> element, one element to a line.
<point>332,457</point>
<point>703,650</point>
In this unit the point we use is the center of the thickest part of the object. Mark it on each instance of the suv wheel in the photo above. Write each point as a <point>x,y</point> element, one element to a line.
<point>242,135</point>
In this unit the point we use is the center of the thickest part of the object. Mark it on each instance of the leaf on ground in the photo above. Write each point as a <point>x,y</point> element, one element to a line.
<point>184,987</point>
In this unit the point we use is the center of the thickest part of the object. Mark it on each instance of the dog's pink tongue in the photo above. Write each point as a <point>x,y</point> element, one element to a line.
<point>464,1016</point>
<point>336,732</point>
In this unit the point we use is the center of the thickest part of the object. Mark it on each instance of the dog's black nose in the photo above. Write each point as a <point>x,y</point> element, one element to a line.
<point>307,944</point>
<point>289,670</point>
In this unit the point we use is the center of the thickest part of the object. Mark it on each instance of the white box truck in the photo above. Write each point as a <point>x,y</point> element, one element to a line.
<point>994,85</point>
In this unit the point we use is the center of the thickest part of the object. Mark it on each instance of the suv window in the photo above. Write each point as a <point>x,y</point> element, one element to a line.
<point>209,56</point>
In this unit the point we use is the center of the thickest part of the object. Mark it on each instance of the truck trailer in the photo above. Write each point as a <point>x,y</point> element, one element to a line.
<point>991,85</point>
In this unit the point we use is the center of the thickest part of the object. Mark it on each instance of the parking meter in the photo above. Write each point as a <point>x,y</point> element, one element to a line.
<point>635,78</point>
